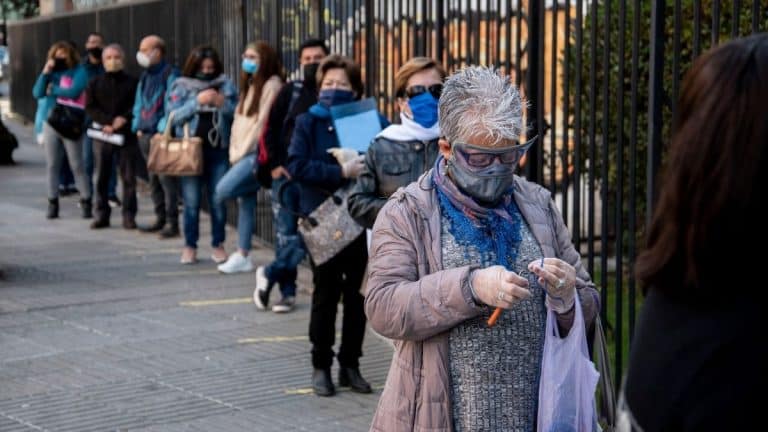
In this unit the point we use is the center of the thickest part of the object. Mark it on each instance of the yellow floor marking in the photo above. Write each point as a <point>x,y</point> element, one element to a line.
<point>139,252</point>
<point>200,303</point>
<point>183,273</point>
<point>268,339</point>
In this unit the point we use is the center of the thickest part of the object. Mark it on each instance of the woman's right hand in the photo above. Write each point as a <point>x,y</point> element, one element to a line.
<point>206,97</point>
<point>280,172</point>
<point>48,68</point>
<point>353,167</point>
<point>497,286</point>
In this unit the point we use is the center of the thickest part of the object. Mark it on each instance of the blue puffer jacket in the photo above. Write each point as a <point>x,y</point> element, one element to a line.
<point>309,162</point>
<point>46,100</point>
<point>181,99</point>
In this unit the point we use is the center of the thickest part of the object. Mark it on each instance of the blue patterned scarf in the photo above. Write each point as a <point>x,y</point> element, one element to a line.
<point>494,229</point>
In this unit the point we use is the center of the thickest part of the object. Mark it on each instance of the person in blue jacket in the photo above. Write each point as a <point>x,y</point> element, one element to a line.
<point>62,79</point>
<point>148,109</point>
<point>205,99</point>
<point>314,167</point>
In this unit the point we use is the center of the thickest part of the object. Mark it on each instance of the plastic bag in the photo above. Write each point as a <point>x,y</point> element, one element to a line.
<point>568,379</point>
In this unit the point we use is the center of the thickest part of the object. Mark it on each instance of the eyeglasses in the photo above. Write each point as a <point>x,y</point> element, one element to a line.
<point>435,89</point>
<point>482,157</point>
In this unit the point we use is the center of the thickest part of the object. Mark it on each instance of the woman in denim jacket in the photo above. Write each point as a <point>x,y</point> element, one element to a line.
<point>205,99</point>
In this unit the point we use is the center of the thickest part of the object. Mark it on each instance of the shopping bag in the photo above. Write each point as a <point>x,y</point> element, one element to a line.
<point>568,379</point>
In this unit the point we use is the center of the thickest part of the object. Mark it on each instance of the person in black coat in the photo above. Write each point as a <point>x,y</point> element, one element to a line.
<point>314,168</point>
<point>698,359</point>
<point>109,104</point>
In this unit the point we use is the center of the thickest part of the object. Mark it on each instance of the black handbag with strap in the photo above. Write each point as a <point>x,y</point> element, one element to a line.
<point>67,121</point>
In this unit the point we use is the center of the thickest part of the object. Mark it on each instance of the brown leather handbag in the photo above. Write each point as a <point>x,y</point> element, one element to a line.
<point>175,156</point>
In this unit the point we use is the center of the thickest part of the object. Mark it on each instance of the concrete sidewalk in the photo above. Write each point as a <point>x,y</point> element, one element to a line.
<point>105,330</point>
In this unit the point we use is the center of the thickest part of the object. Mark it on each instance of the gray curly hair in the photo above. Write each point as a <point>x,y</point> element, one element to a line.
<point>478,101</point>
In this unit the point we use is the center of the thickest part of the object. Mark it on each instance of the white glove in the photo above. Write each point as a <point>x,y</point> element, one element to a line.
<point>559,281</point>
<point>343,155</point>
<point>352,168</point>
<point>497,286</point>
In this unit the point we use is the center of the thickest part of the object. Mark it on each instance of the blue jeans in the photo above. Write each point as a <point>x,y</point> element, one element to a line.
<point>289,250</point>
<point>216,162</point>
<point>239,182</point>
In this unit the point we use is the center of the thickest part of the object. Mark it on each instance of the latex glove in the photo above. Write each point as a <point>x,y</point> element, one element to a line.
<point>352,168</point>
<point>559,281</point>
<point>497,286</point>
<point>343,155</point>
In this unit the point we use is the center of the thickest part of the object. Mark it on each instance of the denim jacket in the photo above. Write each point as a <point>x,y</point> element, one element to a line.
<point>182,102</point>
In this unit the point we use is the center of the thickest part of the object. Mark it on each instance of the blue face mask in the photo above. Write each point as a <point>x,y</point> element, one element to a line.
<point>331,97</point>
<point>424,109</point>
<point>249,66</point>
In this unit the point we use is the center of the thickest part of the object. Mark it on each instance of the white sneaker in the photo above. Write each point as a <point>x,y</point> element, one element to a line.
<point>261,293</point>
<point>236,263</point>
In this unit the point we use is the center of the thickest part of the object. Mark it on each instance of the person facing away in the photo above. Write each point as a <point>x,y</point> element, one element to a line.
<point>314,168</point>
<point>62,80</point>
<point>261,78</point>
<point>403,152</point>
<point>204,99</point>
<point>148,109</point>
<point>467,237</point>
<point>294,99</point>
<point>698,358</point>
<point>109,103</point>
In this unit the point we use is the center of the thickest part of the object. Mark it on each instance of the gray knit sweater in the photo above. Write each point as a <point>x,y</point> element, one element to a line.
<point>495,371</point>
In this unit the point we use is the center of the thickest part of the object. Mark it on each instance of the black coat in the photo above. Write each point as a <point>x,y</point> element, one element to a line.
<point>109,96</point>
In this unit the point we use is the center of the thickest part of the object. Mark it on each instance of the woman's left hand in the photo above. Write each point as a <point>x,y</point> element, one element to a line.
<point>559,281</point>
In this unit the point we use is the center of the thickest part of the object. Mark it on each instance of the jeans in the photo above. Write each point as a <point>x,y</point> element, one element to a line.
<point>341,275</point>
<point>239,182</point>
<point>164,189</point>
<point>104,155</point>
<point>215,164</point>
<point>56,148</point>
<point>289,250</point>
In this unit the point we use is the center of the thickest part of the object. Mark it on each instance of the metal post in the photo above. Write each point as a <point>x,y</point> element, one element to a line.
<point>534,89</point>
<point>655,102</point>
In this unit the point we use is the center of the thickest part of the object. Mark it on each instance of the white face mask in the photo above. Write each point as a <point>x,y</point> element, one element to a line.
<point>143,60</point>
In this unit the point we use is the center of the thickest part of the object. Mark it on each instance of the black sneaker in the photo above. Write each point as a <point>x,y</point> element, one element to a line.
<point>263,287</point>
<point>114,202</point>
<point>285,305</point>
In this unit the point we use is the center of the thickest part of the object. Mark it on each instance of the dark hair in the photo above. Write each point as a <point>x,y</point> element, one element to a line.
<point>708,205</point>
<point>95,33</point>
<point>196,57</point>
<point>269,66</point>
<point>352,69</point>
<point>313,43</point>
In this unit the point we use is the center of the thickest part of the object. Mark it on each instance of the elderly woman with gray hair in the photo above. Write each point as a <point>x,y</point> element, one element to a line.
<point>467,237</point>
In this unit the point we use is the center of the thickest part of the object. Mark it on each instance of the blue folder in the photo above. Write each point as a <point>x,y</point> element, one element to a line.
<point>356,124</point>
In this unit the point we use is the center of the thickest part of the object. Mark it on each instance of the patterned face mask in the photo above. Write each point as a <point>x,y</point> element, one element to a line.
<point>483,173</point>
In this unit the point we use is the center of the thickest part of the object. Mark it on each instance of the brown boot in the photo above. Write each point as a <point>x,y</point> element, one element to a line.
<point>129,223</point>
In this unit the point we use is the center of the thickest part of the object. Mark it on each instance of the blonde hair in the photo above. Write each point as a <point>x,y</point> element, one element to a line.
<point>411,68</point>
<point>73,58</point>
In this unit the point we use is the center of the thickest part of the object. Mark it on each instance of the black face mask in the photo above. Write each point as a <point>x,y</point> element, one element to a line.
<point>204,76</point>
<point>60,64</point>
<point>310,73</point>
<point>95,52</point>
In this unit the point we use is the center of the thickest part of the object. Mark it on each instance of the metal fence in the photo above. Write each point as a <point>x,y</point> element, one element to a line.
<point>601,77</point>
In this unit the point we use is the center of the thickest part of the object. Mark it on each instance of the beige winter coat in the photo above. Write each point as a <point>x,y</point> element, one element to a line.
<point>414,301</point>
<point>247,130</point>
